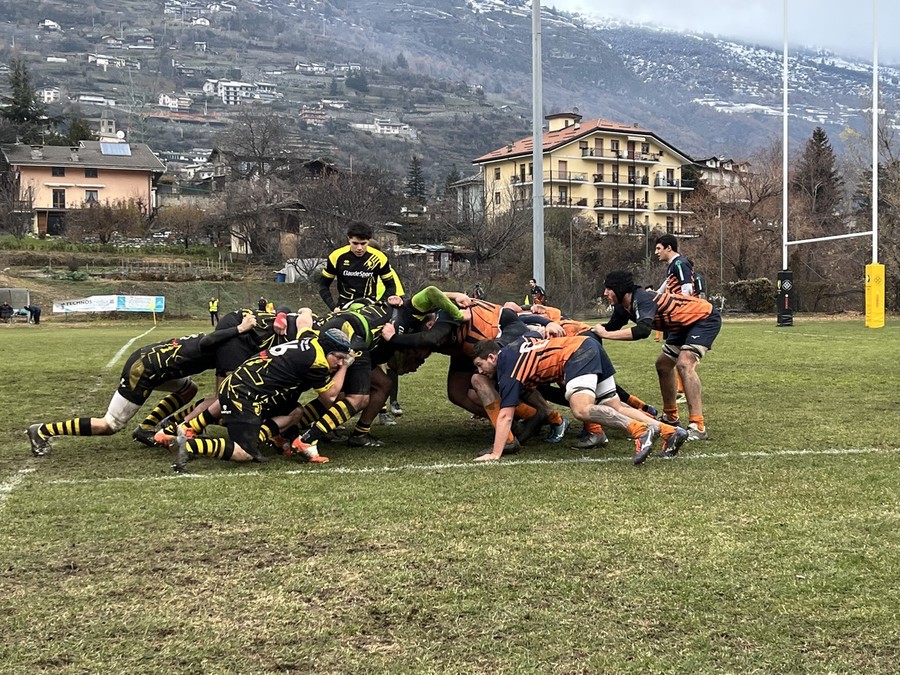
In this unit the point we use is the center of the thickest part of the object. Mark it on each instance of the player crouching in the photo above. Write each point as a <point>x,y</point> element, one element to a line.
<point>583,367</point>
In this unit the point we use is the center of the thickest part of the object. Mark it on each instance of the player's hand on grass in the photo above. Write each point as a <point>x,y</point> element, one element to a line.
<point>489,457</point>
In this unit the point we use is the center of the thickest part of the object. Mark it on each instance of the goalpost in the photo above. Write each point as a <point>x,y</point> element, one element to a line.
<point>874,280</point>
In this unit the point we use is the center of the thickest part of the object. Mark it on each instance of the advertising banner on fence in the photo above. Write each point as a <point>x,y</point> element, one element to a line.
<point>113,303</point>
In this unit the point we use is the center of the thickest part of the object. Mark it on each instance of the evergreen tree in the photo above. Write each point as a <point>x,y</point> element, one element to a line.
<point>402,63</point>
<point>452,177</point>
<point>333,88</point>
<point>818,184</point>
<point>358,83</point>
<point>22,107</point>
<point>415,181</point>
<point>77,130</point>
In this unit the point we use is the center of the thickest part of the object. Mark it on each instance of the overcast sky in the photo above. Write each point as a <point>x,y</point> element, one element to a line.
<point>840,26</point>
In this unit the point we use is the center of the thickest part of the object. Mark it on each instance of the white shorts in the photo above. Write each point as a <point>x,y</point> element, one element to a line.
<point>602,390</point>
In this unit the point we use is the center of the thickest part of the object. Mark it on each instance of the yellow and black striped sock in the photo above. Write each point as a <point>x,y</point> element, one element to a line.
<point>163,409</point>
<point>217,448</point>
<point>267,431</point>
<point>334,417</point>
<point>78,426</point>
<point>312,412</point>
<point>201,421</point>
<point>179,415</point>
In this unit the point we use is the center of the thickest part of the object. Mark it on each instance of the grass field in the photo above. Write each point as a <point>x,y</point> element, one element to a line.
<point>772,547</point>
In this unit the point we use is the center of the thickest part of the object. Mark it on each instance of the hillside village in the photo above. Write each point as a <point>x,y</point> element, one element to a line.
<point>184,80</point>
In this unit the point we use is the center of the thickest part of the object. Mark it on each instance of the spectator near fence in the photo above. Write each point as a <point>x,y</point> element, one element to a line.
<point>213,311</point>
<point>34,314</point>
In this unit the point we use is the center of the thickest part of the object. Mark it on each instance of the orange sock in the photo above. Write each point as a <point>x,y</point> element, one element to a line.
<point>635,402</point>
<point>593,428</point>
<point>698,420</point>
<point>493,410</point>
<point>671,413</point>
<point>666,429</point>
<point>554,418</point>
<point>525,411</point>
<point>636,428</point>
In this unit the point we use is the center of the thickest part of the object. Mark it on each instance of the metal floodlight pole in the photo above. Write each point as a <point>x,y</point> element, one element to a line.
<point>537,153</point>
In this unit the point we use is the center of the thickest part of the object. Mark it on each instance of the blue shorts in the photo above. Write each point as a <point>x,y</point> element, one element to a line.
<point>698,337</point>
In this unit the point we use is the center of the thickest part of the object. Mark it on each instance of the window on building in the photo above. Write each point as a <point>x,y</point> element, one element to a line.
<point>497,198</point>
<point>670,225</point>
<point>645,148</point>
<point>496,173</point>
<point>58,171</point>
<point>614,218</point>
<point>90,172</point>
<point>91,197</point>
<point>59,199</point>
<point>631,220</point>
<point>530,168</point>
<point>614,146</point>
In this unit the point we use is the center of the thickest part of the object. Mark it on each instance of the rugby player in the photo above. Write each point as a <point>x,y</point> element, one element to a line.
<point>680,280</point>
<point>690,324</point>
<point>165,366</point>
<point>252,396</point>
<point>357,268</point>
<point>480,320</point>
<point>366,386</point>
<point>581,365</point>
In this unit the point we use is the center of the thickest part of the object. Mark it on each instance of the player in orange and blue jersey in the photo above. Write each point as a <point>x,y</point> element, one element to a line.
<point>691,325</point>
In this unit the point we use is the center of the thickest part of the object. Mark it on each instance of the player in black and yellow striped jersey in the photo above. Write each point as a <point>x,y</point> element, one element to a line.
<point>166,366</point>
<point>255,399</point>
<point>357,268</point>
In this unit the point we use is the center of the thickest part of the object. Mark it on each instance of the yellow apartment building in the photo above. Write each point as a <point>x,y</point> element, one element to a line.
<point>622,178</point>
<point>52,180</point>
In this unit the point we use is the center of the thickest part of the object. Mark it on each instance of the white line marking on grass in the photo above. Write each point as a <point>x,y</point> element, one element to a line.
<point>121,351</point>
<point>6,488</point>
<point>322,471</point>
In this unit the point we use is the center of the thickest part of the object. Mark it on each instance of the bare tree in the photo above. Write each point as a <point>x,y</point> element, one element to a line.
<point>104,221</point>
<point>249,211</point>
<point>740,224</point>
<point>188,223</point>
<point>491,227</point>
<point>16,210</point>
<point>255,144</point>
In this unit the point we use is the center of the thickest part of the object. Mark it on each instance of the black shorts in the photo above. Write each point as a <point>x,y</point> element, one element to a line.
<point>358,379</point>
<point>139,379</point>
<point>460,363</point>
<point>243,425</point>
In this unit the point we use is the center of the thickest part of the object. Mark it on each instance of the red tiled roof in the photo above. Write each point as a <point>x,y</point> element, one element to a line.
<point>553,139</point>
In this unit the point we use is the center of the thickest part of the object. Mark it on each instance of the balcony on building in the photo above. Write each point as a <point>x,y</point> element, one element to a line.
<point>670,206</point>
<point>565,176</point>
